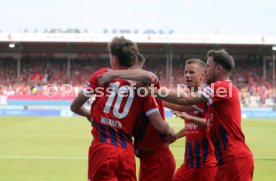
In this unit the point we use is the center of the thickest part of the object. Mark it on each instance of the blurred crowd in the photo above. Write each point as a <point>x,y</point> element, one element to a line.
<point>35,73</point>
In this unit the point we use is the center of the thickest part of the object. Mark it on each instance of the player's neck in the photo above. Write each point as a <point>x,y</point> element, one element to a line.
<point>223,77</point>
<point>120,68</point>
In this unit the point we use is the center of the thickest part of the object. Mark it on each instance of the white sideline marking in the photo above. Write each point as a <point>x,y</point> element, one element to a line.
<point>42,157</point>
<point>85,158</point>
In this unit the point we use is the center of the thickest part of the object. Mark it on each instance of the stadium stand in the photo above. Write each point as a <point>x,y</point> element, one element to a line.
<point>35,73</point>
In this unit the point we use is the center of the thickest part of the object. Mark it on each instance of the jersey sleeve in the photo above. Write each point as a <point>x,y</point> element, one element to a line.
<point>93,83</point>
<point>150,105</point>
<point>218,91</point>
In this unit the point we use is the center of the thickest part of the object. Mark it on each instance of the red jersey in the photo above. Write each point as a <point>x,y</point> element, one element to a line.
<point>224,121</point>
<point>116,109</point>
<point>199,151</point>
<point>145,135</point>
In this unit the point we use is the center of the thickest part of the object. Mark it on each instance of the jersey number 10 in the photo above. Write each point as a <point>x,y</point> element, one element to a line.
<point>119,92</point>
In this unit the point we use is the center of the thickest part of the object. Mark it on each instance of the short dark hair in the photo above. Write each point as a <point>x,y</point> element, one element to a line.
<point>196,61</point>
<point>223,58</point>
<point>141,59</point>
<point>124,49</point>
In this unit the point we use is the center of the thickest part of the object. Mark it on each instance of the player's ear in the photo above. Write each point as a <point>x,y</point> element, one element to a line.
<point>202,77</point>
<point>203,74</point>
<point>219,68</point>
<point>113,61</point>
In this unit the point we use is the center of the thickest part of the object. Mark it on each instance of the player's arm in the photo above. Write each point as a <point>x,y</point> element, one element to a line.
<point>197,120</point>
<point>138,75</point>
<point>180,99</point>
<point>85,94</point>
<point>77,106</point>
<point>180,134</point>
<point>162,126</point>
<point>179,108</point>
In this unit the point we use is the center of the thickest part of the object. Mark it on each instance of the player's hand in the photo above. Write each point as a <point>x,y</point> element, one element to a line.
<point>150,90</point>
<point>105,77</point>
<point>182,115</point>
<point>176,113</point>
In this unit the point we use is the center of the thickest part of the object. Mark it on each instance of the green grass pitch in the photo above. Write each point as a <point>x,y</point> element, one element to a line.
<point>55,148</point>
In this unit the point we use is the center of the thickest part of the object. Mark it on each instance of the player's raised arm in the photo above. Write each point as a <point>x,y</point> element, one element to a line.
<point>143,76</point>
<point>77,106</point>
<point>180,134</point>
<point>174,98</point>
<point>177,107</point>
<point>85,94</point>
<point>197,120</point>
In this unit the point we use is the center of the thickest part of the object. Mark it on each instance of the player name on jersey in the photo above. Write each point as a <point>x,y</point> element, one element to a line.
<point>111,122</point>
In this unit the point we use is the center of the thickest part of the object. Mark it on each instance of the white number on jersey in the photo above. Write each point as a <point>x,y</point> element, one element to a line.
<point>121,92</point>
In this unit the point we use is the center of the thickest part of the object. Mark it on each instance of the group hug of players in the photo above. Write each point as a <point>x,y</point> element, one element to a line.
<point>215,145</point>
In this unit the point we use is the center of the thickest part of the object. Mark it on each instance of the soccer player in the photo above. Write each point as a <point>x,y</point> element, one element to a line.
<point>199,160</point>
<point>156,160</point>
<point>234,158</point>
<point>113,114</point>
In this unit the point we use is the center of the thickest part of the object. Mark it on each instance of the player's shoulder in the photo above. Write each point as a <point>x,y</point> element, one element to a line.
<point>125,82</point>
<point>99,71</point>
<point>102,70</point>
<point>221,83</point>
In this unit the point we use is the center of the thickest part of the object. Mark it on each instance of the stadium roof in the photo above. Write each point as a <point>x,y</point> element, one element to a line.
<point>139,38</point>
<point>39,44</point>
